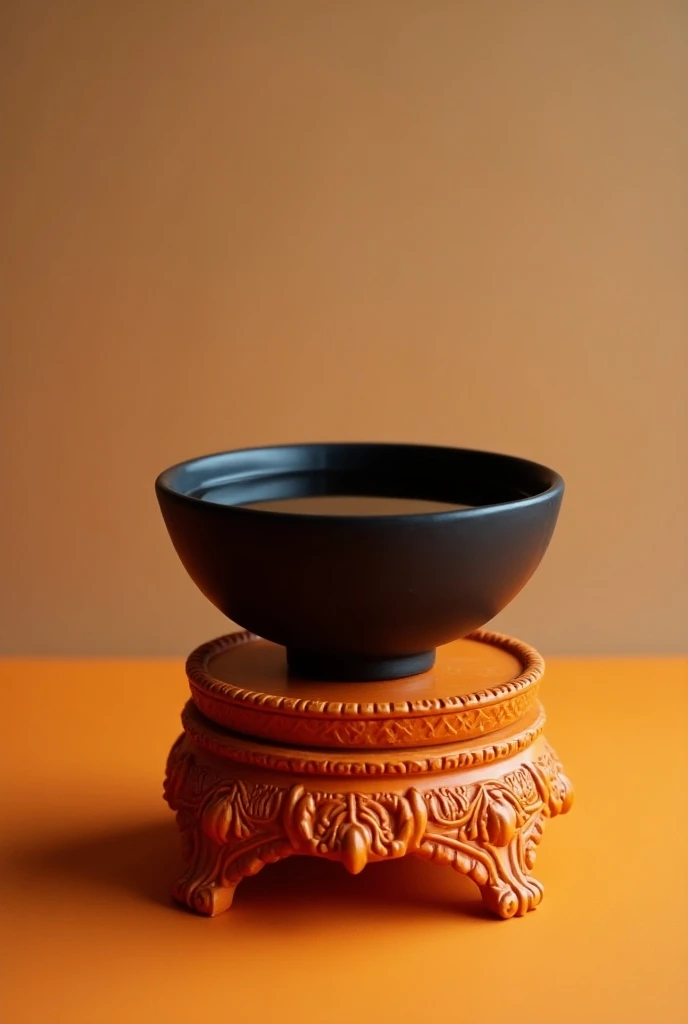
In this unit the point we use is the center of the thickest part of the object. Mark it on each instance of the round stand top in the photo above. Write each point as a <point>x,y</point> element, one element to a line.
<point>478,685</point>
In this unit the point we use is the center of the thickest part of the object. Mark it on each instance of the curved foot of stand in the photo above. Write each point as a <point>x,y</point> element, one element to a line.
<point>506,892</point>
<point>214,871</point>
<point>512,899</point>
<point>229,830</point>
<point>355,668</point>
<point>490,830</point>
<point>209,899</point>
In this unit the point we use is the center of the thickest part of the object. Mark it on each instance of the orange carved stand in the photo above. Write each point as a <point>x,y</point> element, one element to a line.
<point>450,766</point>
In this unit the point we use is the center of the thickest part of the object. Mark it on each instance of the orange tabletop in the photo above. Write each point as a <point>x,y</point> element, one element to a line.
<point>90,935</point>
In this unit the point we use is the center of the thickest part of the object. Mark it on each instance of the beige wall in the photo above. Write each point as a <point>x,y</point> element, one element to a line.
<point>234,223</point>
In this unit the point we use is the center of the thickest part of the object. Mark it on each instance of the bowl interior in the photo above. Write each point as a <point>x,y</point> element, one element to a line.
<point>359,479</point>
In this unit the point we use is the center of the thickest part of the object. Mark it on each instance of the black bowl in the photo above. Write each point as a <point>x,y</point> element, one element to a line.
<point>360,596</point>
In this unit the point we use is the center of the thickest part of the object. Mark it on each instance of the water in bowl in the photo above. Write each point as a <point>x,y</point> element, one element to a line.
<point>353,505</point>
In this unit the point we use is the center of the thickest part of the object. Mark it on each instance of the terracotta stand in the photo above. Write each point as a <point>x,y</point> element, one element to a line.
<point>450,766</point>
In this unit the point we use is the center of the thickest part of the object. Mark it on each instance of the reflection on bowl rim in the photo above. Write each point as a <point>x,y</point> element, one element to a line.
<point>163,483</point>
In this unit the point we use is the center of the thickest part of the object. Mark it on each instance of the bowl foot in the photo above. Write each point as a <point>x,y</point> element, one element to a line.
<point>354,668</point>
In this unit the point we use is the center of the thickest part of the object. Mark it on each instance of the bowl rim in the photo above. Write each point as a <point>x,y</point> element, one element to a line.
<point>163,485</point>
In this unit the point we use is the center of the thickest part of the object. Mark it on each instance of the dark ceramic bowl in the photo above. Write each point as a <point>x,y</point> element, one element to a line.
<point>360,596</point>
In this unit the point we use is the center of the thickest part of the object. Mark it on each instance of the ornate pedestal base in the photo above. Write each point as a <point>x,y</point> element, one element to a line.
<point>476,806</point>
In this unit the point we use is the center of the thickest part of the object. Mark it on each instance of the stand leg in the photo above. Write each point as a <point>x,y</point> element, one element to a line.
<point>490,830</point>
<point>202,886</point>
<point>213,871</point>
<point>229,831</point>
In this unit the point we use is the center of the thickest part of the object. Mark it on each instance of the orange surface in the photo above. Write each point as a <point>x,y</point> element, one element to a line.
<point>89,934</point>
